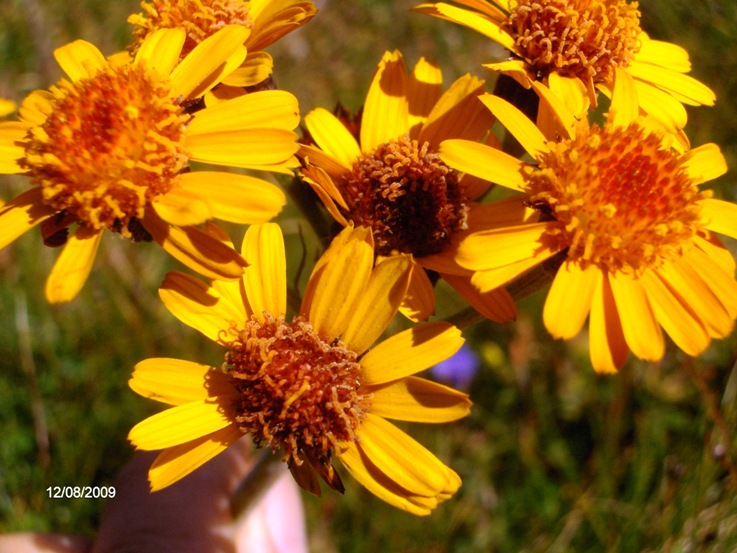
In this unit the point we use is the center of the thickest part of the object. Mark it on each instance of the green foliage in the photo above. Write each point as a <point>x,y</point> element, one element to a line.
<point>554,458</point>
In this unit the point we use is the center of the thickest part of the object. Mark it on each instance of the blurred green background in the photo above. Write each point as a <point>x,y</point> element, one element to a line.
<point>553,458</point>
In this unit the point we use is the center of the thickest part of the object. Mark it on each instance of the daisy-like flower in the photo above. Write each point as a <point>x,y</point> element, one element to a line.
<point>109,150</point>
<point>389,177</point>
<point>584,41</point>
<point>625,211</point>
<point>308,388</point>
<point>266,22</point>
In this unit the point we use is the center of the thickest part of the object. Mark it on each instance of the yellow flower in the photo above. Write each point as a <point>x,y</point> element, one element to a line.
<point>624,210</point>
<point>388,176</point>
<point>308,387</point>
<point>6,107</point>
<point>583,41</point>
<point>109,150</point>
<point>266,22</point>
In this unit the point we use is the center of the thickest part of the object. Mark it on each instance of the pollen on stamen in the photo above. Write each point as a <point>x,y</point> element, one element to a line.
<point>110,145</point>
<point>411,200</point>
<point>296,391</point>
<point>199,18</point>
<point>587,39</point>
<point>625,204</point>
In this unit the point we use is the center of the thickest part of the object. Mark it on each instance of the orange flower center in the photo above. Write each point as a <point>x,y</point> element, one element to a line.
<point>618,198</point>
<point>587,39</point>
<point>296,390</point>
<point>110,145</point>
<point>199,18</point>
<point>407,195</point>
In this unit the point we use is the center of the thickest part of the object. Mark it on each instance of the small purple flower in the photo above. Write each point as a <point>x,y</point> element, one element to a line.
<point>459,370</point>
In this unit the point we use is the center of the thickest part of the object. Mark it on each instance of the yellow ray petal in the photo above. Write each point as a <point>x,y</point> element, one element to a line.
<point>180,424</point>
<point>205,59</point>
<point>517,123</point>
<point>195,248</point>
<point>36,107</point>
<point>177,462</point>
<point>274,19</point>
<point>236,198</point>
<point>175,381</point>
<point>484,162</point>
<point>79,59</point>
<point>379,484</point>
<point>704,163</point>
<point>73,265</point>
<point>641,329</point>
<point>664,54</point>
<point>675,315</point>
<point>625,107</point>
<point>21,214</point>
<point>424,88</point>
<point>161,49</point>
<point>265,277</point>
<point>419,301</point>
<point>569,299</point>
<point>313,156</point>
<point>379,302</point>
<point>10,153</point>
<point>385,111</point>
<point>333,137</point>
<point>661,105</point>
<point>485,25</point>
<point>419,400</point>
<point>261,149</point>
<point>714,248</point>
<point>410,351</point>
<point>202,307</point>
<point>496,305</point>
<point>458,114</point>
<point>499,247</point>
<point>268,109</point>
<point>182,207</point>
<point>325,188</point>
<point>684,88</point>
<point>722,284</point>
<point>404,460</point>
<point>491,279</point>
<point>516,69</point>
<point>254,70</point>
<point>507,212</point>
<point>336,297</point>
<point>607,344</point>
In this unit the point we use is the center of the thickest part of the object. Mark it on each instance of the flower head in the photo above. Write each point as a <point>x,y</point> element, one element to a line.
<point>622,204</point>
<point>386,175</point>
<point>266,21</point>
<point>583,42</point>
<point>308,387</point>
<point>109,149</point>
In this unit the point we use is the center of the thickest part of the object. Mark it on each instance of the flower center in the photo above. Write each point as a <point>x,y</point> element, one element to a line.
<point>587,39</point>
<point>110,145</point>
<point>619,198</point>
<point>296,390</point>
<point>407,195</point>
<point>199,18</point>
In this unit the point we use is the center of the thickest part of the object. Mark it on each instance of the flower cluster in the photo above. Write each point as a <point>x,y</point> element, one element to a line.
<point>612,213</point>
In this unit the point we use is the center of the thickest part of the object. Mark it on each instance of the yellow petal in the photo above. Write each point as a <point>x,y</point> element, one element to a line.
<point>484,162</point>
<point>10,153</point>
<point>607,344</point>
<point>336,297</point>
<point>385,111</point>
<point>496,304</point>
<point>684,88</point>
<point>175,381</point>
<point>21,214</point>
<point>410,351</point>
<point>333,137</point>
<point>236,198</point>
<point>194,74</point>
<point>664,54</point>
<point>418,400</point>
<point>499,247</point>
<point>195,248</point>
<point>675,315</point>
<point>569,299</point>
<point>79,59</point>
<point>202,307</point>
<point>491,279</point>
<point>182,207</point>
<point>313,156</point>
<point>161,49</point>
<point>641,329</point>
<point>661,105</point>
<point>489,27</point>
<point>326,190</point>
<point>714,248</point>
<point>625,107</point>
<point>704,163</point>
<point>274,19</point>
<point>255,69</point>
<point>722,284</point>
<point>36,108</point>
<point>517,123</point>
<point>265,278</point>
<point>177,462</point>
<point>73,265</point>
<point>418,303</point>
<point>379,302</point>
<point>424,88</point>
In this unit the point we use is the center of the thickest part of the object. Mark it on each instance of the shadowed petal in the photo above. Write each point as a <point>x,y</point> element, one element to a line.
<point>265,277</point>
<point>418,400</point>
<point>73,265</point>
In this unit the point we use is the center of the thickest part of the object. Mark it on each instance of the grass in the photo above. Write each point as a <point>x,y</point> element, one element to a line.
<point>554,457</point>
